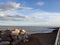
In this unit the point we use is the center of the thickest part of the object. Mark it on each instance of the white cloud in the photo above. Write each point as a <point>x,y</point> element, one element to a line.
<point>9,6</point>
<point>40,3</point>
<point>12,6</point>
<point>1,14</point>
<point>37,17</point>
<point>48,18</point>
<point>11,17</point>
<point>26,8</point>
<point>6,8</point>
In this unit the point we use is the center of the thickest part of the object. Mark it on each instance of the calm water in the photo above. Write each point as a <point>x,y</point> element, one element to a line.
<point>30,29</point>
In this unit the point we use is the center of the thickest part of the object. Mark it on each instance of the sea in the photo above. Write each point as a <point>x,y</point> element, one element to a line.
<point>29,29</point>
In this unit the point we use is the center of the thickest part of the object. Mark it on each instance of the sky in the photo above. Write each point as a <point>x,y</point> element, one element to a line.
<point>30,12</point>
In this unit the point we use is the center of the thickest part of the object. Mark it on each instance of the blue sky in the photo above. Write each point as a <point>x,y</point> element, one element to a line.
<point>30,12</point>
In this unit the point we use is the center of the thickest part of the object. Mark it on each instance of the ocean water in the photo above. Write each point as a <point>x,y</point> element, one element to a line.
<point>29,29</point>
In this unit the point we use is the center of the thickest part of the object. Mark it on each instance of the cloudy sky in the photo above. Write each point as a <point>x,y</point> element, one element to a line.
<point>30,12</point>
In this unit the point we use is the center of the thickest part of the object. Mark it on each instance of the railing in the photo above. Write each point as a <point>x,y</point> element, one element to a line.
<point>57,38</point>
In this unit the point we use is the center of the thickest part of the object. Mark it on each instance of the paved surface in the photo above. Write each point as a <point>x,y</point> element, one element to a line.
<point>41,39</point>
<point>59,38</point>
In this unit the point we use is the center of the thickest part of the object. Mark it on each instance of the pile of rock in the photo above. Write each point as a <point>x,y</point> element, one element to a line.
<point>12,37</point>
